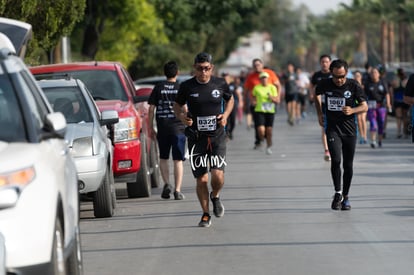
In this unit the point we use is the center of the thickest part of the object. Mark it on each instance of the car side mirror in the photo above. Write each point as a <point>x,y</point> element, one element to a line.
<point>109,117</point>
<point>55,125</point>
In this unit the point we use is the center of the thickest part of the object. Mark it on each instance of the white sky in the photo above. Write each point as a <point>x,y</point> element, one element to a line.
<point>319,7</point>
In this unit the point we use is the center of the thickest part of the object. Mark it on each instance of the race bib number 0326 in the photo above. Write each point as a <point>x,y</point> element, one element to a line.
<point>206,123</point>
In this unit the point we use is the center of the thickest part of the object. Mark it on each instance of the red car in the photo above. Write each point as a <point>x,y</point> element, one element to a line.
<point>136,159</point>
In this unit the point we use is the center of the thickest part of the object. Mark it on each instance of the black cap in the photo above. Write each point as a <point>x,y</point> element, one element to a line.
<point>203,57</point>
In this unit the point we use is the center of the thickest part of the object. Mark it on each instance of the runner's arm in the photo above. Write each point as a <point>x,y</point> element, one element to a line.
<point>409,100</point>
<point>362,107</point>
<point>227,111</point>
<point>180,112</point>
<point>151,113</point>
<point>318,107</point>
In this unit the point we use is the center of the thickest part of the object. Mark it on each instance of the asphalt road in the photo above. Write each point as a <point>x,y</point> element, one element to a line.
<point>278,218</point>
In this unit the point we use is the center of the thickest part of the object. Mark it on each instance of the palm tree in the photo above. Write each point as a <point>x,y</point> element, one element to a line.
<point>403,17</point>
<point>357,15</point>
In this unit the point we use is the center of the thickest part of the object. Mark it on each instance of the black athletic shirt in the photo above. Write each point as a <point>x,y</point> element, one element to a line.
<point>290,80</point>
<point>335,98</point>
<point>316,77</point>
<point>204,102</point>
<point>409,91</point>
<point>163,97</point>
<point>376,91</point>
<point>409,88</point>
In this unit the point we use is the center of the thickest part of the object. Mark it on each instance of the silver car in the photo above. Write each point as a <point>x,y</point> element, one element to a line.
<point>39,198</point>
<point>2,256</point>
<point>88,137</point>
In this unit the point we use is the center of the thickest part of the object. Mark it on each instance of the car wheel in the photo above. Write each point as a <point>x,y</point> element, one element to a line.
<point>58,260</point>
<point>102,199</point>
<point>75,258</point>
<point>155,165</point>
<point>113,188</point>
<point>141,188</point>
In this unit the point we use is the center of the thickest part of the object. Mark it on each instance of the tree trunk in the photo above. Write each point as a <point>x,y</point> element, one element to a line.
<point>90,42</point>
<point>312,57</point>
<point>384,43</point>
<point>334,48</point>
<point>391,42</point>
<point>406,46</point>
<point>361,57</point>
<point>55,55</point>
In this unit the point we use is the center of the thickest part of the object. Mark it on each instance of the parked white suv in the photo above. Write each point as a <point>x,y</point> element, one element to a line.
<point>88,138</point>
<point>39,198</point>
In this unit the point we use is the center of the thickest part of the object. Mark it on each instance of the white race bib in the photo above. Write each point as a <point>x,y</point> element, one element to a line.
<point>207,123</point>
<point>336,103</point>
<point>372,104</point>
<point>267,106</point>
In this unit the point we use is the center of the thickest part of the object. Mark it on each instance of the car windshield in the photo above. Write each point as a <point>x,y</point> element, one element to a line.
<point>103,85</point>
<point>70,102</point>
<point>11,123</point>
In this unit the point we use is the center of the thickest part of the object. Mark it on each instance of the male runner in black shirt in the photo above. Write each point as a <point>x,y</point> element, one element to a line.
<point>170,130</point>
<point>337,116</point>
<point>209,102</point>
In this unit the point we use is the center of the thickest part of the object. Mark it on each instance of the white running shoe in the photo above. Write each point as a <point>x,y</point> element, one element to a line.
<point>268,151</point>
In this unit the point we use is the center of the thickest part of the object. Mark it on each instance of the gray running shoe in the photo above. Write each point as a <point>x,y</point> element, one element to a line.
<point>178,196</point>
<point>218,207</point>
<point>205,220</point>
<point>166,191</point>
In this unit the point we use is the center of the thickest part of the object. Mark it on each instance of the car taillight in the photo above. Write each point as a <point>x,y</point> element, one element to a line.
<point>125,129</point>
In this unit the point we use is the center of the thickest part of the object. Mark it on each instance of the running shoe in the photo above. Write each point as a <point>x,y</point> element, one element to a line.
<point>218,207</point>
<point>373,144</point>
<point>166,191</point>
<point>178,195</point>
<point>258,147</point>
<point>327,156</point>
<point>205,220</point>
<point>336,203</point>
<point>268,151</point>
<point>304,114</point>
<point>346,205</point>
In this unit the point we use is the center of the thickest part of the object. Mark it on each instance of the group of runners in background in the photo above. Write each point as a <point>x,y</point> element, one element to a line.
<point>204,111</point>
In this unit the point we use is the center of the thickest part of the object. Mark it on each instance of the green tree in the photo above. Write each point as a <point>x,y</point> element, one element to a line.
<point>143,26</point>
<point>278,18</point>
<point>50,20</point>
<point>194,26</point>
<point>357,15</point>
<point>113,30</point>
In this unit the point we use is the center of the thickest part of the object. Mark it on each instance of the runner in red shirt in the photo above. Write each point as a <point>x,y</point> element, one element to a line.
<point>252,80</point>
